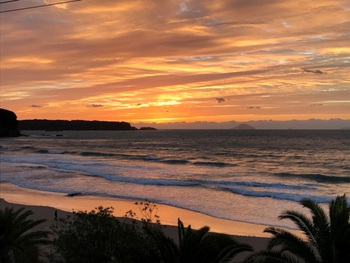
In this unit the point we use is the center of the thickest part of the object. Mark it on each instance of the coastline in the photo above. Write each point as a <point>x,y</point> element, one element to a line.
<point>168,215</point>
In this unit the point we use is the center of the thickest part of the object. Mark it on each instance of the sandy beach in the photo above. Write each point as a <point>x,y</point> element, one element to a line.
<point>44,204</point>
<point>168,215</point>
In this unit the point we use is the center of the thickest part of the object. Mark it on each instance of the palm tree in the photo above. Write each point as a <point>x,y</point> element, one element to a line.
<point>202,246</point>
<point>197,246</point>
<point>327,238</point>
<point>18,239</point>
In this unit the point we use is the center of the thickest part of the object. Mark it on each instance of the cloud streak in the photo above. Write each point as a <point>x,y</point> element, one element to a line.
<point>316,71</point>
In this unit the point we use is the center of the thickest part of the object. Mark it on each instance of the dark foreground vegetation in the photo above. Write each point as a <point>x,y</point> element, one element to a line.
<point>18,240</point>
<point>97,236</point>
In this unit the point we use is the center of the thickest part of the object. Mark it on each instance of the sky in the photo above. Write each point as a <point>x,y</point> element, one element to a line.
<point>159,61</point>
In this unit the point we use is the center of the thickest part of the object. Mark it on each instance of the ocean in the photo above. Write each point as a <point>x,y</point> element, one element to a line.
<point>244,175</point>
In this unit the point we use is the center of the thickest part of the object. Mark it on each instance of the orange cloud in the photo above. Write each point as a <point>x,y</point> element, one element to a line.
<point>151,60</point>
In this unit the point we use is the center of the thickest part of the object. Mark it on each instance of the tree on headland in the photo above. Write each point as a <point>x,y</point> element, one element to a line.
<point>18,239</point>
<point>327,237</point>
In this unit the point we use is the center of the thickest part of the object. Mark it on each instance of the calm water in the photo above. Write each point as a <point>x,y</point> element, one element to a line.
<point>249,176</point>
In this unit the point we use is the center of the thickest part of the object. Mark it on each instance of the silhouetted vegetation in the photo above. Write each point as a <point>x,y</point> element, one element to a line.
<point>97,236</point>
<point>203,246</point>
<point>19,239</point>
<point>327,238</point>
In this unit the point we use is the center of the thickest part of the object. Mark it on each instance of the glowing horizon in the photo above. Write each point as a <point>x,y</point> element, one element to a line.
<point>180,60</point>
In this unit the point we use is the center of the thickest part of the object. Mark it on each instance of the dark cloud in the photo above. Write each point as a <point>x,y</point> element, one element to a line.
<point>220,100</point>
<point>316,71</point>
<point>36,106</point>
<point>253,107</point>
<point>95,105</point>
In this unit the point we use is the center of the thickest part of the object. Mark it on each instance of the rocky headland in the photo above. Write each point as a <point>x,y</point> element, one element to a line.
<point>8,124</point>
<point>79,125</point>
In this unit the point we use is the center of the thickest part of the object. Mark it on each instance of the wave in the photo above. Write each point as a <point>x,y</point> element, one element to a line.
<point>174,161</point>
<point>147,181</point>
<point>320,178</point>
<point>279,191</point>
<point>35,149</point>
<point>28,147</point>
<point>252,189</point>
<point>96,154</point>
<point>185,162</point>
<point>162,160</point>
<point>107,166</point>
<point>278,186</point>
<point>216,164</point>
<point>147,158</point>
<point>296,197</point>
<point>51,151</point>
<point>36,167</point>
<point>219,185</point>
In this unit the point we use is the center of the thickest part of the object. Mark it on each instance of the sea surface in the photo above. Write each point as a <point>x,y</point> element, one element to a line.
<point>249,176</point>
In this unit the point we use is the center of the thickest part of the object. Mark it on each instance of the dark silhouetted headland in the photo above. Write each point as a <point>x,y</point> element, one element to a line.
<point>8,124</point>
<point>61,125</point>
<point>244,126</point>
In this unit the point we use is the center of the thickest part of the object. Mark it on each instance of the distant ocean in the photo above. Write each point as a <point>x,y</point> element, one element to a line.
<point>244,175</point>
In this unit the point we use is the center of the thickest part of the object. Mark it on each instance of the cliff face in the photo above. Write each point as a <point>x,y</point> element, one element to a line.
<point>8,124</point>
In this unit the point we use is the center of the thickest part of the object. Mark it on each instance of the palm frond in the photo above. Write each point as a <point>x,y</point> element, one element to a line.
<point>167,247</point>
<point>268,256</point>
<point>302,222</point>
<point>339,214</point>
<point>180,229</point>
<point>18,234</point>
<point>319,216</point>
<point>205,247</point>
<point>231,251</point>
<point>192,242</point>
<point>221,247</point>
<point>322,229</point>
<point>285,241</point>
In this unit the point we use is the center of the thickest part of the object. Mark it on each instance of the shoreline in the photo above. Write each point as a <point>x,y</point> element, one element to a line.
<point>168,215</point>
